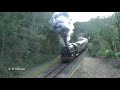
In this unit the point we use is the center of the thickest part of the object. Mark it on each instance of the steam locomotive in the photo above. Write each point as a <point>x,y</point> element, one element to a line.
<point>73,49</point>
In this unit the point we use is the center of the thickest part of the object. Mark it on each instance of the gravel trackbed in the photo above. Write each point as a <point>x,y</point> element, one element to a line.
<point>95,68</point>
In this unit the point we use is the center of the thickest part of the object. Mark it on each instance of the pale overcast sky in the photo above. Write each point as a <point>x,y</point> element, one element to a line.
<point>86,16</point>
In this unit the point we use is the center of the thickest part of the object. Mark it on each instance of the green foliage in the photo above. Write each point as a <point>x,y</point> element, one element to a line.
<point>117,55</point>
<point>92,50</point>
<point>25,41</point>
<point>108,53</point>
<point>101,53</point>
<point>104,35</point>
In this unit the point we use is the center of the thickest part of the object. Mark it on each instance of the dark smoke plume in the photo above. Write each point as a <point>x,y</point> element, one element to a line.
<point>62,24</point>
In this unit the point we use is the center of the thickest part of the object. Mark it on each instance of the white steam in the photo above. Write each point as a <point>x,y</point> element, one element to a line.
<point>62,24</point>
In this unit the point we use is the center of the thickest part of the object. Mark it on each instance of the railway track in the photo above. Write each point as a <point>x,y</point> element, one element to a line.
<point>56,70</point>
<point>54,73</point>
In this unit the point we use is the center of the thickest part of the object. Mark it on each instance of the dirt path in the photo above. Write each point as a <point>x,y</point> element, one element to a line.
<point>95,68</point>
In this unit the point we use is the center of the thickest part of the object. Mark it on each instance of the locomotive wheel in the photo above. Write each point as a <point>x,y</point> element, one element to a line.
<point>73,55</point>
<point>77,54</point>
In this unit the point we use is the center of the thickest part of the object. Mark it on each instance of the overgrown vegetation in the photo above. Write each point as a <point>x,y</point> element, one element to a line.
<point>104,35</point>
<point>25,41</point>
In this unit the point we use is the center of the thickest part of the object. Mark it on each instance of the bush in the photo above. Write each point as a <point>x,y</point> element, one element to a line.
<point>108,54</point>
<point>100,53</point>
<point>117,55</point>
<point>105,53</point>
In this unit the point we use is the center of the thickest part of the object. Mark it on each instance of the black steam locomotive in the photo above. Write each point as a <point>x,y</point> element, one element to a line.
<point>73,50</point>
